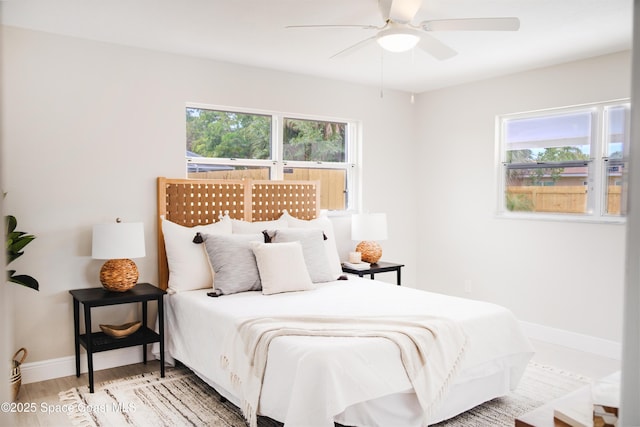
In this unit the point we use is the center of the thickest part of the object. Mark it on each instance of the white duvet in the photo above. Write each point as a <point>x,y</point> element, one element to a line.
<point>312,381</point>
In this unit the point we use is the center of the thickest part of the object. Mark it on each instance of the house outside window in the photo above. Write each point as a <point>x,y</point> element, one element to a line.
<point>225,144</point>
<point>565,163</point>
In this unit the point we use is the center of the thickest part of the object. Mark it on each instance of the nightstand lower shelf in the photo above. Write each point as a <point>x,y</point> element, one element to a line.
<point>103,342</point>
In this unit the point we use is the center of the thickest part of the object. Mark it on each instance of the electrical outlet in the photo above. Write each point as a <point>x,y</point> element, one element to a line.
<point>467,286</point>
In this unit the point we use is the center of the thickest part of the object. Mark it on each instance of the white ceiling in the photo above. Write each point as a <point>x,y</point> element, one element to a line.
<point>253,32</point>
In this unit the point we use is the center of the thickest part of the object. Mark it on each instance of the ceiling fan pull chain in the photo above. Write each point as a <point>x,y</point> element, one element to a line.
<point>381,73</point>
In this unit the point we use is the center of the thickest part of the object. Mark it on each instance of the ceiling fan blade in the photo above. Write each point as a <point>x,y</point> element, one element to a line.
<point>354,47</point>
<point>435,47</point>
<point>403,11</point>
<point>472,24</point>
<point>385,8</point>
<point>364,27</point>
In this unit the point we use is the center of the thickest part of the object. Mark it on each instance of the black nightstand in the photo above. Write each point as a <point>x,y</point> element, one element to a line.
<point>379,267</point>
<point>95,342</point>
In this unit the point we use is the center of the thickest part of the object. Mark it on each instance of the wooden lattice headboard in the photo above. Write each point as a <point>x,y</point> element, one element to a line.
<point>191,202</point>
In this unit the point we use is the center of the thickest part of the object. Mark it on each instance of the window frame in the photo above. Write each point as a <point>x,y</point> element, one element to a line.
<point>597,164</point>
<point>276,164</point>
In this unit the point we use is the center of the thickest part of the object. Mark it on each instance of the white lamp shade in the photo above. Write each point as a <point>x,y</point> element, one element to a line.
<point>369,226</point>
<point>118,240</point>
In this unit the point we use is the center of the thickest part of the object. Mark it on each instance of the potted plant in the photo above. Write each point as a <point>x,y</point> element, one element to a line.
<point>16,241</point>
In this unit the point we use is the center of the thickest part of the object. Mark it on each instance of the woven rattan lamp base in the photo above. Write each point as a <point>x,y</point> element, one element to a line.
<point>119,275</point>
<point>371,251</point>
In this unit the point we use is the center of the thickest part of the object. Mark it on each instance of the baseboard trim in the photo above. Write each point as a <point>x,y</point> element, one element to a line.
<point>573,340</point>
<point>65,366</point>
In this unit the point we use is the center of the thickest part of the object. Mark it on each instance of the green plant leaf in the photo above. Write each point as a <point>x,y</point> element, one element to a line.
<point>21,242</point>
<point>23,280</point>
<point>10,224</point>
<point>15,242</point>
<point>12,256</point>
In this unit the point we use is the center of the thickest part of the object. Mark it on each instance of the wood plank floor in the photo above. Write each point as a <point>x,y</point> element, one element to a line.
<point>45,393</point>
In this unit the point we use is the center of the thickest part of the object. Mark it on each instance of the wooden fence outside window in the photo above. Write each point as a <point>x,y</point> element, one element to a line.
<point>558,199</point>
<point>332,181</point>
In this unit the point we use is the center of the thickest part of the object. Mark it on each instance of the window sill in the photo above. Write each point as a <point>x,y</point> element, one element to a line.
<point>561,218</point>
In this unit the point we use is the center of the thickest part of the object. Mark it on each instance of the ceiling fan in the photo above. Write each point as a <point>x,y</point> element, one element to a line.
<point>398,34</point>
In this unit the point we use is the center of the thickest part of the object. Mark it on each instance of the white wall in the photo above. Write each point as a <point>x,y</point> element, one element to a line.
<point>87,128</point>
<point>562,275</point>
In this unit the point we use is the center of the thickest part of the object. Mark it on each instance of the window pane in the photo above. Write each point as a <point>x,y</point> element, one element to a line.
<point>333,184</point>
<point>614,189</point>
<point>616,140</point>
<point>228,135</point>
<point>617,135</point>
<point>552,190</point>
<point>549,138</point>
<point>208,171</point>
<point>311,140</point>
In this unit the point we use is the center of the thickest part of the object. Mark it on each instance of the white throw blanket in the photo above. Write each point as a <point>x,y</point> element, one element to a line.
<point>431,350</point>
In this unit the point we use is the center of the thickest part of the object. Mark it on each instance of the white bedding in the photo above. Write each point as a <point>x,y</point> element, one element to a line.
<point>312,381</point>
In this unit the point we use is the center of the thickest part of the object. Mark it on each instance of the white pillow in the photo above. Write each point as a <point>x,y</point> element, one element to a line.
<point>244,227</point>
<point>282,267</point>
<point>331,248</point>
<point>189,266</point>
<point>313,250</point>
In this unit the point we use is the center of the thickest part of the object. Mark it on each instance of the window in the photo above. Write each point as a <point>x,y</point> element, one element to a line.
<point>229,144</point>
<point>566,162</point>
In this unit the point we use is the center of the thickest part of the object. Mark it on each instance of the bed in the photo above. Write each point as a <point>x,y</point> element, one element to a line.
<point>303,347</point>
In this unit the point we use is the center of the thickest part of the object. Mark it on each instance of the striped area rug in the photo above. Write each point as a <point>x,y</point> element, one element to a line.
<point>182,399</point>
<point>540,384</point>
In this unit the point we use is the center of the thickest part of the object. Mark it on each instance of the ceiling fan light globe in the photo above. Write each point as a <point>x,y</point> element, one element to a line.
<point>397,40</point>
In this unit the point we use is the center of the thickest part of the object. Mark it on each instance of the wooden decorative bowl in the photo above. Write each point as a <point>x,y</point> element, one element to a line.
<point>121,331</point>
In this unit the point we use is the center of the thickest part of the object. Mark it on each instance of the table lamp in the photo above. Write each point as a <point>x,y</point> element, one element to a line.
<point>117,242</point>
<point>369,228</point>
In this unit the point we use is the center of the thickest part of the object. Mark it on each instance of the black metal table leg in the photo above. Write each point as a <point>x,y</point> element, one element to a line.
<point>144,325</point>
<point>76,334</point>
<point>87,331</point>
<point>161,332</point>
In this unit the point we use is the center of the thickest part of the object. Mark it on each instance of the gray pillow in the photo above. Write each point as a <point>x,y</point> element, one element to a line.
<point>233,262</point>
<point>313,250</point>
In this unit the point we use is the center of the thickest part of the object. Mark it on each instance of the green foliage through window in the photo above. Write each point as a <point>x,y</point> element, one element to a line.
<point>548,155</point>
<point>312,140</point>
<point>224,134</point>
